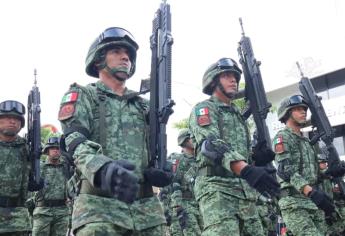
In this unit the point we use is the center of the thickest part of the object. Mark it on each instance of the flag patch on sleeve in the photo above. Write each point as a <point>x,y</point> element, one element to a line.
<point>279,145</point>
<point>203,116</point>
<point>70,97</point>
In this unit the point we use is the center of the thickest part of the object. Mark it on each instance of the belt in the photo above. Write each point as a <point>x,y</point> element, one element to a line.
<point>8,202</point>
<point>288,192</point>
<point>213,171</point>
<point>51,203</point>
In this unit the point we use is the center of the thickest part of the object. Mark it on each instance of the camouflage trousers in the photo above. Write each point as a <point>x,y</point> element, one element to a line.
<point>338,226</point>
<point>193,220</point>
<point>50,221</point>
<point>108,229</point>
<point>304,222</point>
<point>224,214</point>
<point>267,223</point>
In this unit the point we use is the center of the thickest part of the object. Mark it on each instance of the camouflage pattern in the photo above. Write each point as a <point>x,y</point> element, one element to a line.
<point>268,215</point>
<point>298,159</point>
<point>125,139</point>
<point>14,177</point>
<point>337,225</point>
<point>51,220</point>
<point>185,197</point>
<point>226,202</point>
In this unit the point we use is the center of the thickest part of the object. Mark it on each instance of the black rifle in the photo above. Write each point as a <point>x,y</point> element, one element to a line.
<point>324,129</point>
<point>160,85</point>
<point>255,94</point>
<point>34,131</point>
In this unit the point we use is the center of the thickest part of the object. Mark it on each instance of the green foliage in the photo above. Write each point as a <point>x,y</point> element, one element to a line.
<point>182,124</point>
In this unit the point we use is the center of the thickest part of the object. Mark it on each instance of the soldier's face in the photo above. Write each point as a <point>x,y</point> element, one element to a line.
<point>299,114</point>
<point>228,81</point>
<point>54,152</point>
<point>118,57</point>
<point>323,165</point>
<point>9,125</point>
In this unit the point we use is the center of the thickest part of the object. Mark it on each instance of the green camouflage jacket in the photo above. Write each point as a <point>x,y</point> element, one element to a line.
<point>297,166</point>
<point>14,175</point>
<point>224,122</point>
<point>126,138</point>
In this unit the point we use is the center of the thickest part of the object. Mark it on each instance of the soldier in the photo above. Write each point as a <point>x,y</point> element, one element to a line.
<point>183,203</point>
<point>51,214</point>
<point>298,171</point>
<point>336,225</point>
<point>15,171</point>
<point>220,134</point>
<point>105,130</point>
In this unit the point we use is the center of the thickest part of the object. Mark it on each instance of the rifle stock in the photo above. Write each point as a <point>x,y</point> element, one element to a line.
<point>160,85</point>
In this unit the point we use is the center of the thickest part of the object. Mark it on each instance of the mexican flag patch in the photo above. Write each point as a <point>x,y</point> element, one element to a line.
<point>278,140</point>
<point>279,145</point>
<point>202,116</point>
<point>70,97</point>
<point>202,111</point>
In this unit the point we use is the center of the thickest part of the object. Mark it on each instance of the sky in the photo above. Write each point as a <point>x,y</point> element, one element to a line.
<point>54,37</point>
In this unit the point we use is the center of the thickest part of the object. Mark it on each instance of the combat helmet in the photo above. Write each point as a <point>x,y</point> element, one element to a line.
<point>182,136</point>
<point>114,36</point>
<point>13,108</point>
<point>222,65</point>
<point>52,142</point>
<point>288,103</point>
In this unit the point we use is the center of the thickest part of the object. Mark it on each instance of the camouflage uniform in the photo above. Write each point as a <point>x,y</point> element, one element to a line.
<point>226,202</point>
<point>184,196</point>
<point>297,158</point>
<point>14,175</point>
<point>51,215</point>
<point>124,137</point>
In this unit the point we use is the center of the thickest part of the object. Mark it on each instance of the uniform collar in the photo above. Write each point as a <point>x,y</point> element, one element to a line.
<point>127,93</point>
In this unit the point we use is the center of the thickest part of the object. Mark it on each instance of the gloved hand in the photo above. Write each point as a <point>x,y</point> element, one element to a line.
<point>261,179</point>
<point>214,150</point>
<point>33,186</point>
<point>182,217</point>
<point>117,179</point>
<point>336,170</point>
<point>262,155</point>
<point>322,201</point>
<point>157,177</point>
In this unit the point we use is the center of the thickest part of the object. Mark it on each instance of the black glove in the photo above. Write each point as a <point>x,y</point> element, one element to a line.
<point>167,217</point>
<point>262,155</point>
<point>322,201</point>
<point>157,177</point>
<point>336,170</point>
<point>33,186</point>
<point>182,217</point>
<point>214,151</point>
<point>117,179</point>
<point>261,179</point>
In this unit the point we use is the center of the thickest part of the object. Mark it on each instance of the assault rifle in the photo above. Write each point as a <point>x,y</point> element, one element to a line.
<point>34,131</point>
<point>160,85</point>
<point>254,93</point>
<point>324,129</point>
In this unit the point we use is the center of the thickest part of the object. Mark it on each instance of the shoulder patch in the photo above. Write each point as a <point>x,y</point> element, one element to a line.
<point>279,145</point>
<point>66,111</point>
<point>202,116</point>
<point>175,163</point>
<point>70,97</point>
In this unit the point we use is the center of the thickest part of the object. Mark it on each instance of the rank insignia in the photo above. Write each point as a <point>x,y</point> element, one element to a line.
<point>203,116</point>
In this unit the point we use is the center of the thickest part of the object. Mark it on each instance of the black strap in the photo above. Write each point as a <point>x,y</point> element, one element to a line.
<point>77,128</point>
